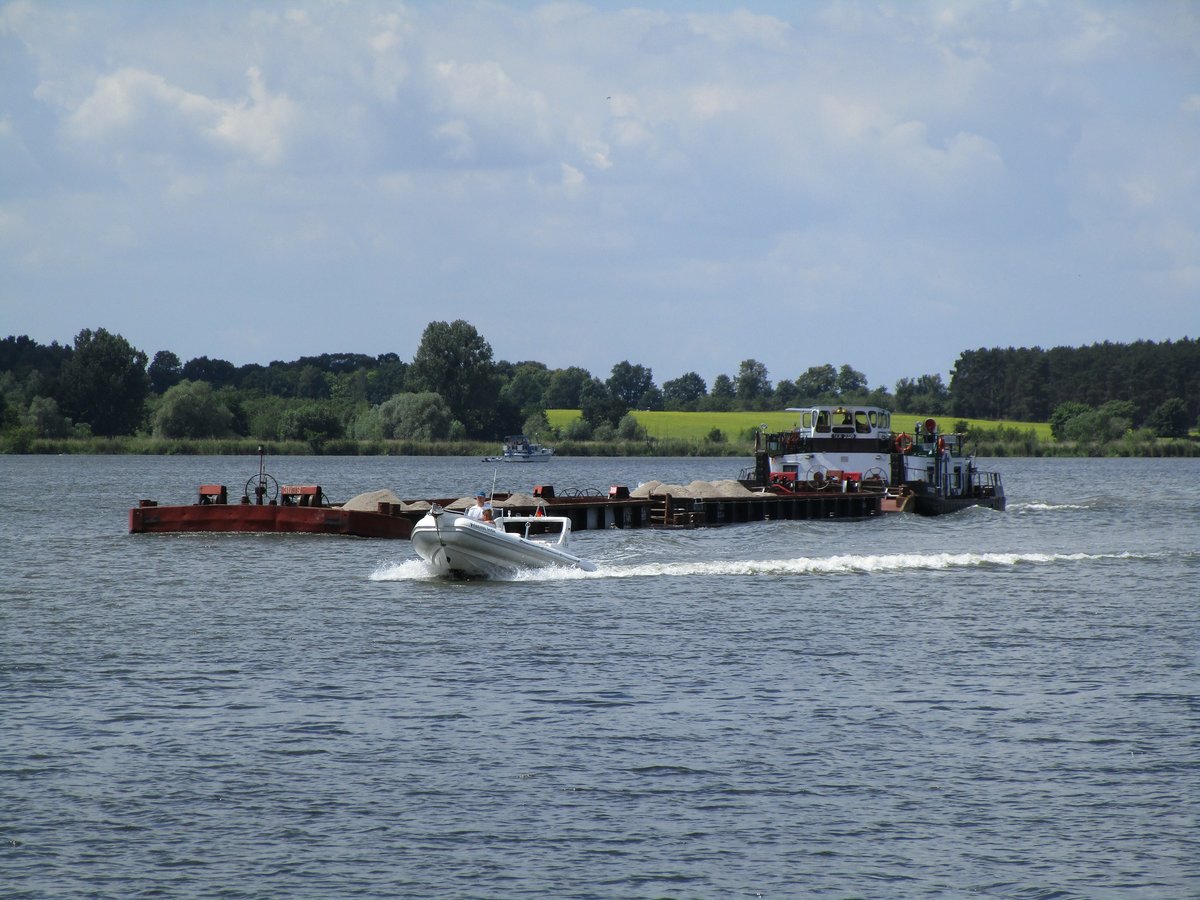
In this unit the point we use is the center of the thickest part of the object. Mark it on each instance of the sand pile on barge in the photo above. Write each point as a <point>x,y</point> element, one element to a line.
<point>369,500</point>
<point>726,488</point>
<point>518,501</point>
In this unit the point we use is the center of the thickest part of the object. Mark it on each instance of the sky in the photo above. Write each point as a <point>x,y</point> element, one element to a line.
<point>679,185</point>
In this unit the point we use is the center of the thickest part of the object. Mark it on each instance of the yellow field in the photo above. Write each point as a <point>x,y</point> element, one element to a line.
<point>695,426</point>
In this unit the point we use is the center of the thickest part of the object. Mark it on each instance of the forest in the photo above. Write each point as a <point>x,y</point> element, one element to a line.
<point>454,390</point>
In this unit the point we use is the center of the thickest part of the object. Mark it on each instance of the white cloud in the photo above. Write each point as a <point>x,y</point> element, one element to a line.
<point>456,135</point>
<point>513,115</point>
<point>743,26</point>
<point>257,126</point>
<point>132,105</point>
<point>389,67</point>
<point>573,181</point>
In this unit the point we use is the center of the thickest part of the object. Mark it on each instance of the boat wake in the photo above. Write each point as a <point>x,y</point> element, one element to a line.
<point>412,570</point>
<point>851,564</point>
<point>1044,506</point>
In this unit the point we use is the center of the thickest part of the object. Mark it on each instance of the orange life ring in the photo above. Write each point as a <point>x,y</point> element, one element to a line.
<point>903,442</point>
<point>941,445</point>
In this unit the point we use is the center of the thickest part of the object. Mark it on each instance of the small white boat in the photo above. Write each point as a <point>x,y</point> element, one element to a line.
<point>458,546</point>
<point>518,448</point>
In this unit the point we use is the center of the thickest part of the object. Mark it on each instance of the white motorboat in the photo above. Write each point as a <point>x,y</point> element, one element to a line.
<point>458,546</point>
<point>518,448</point>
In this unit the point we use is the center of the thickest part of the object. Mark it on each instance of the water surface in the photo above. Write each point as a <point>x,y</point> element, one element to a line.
<point>986,704</point>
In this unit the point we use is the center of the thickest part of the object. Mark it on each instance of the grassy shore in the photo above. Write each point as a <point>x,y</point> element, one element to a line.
<point>735,426</point>
<point>667,434</point>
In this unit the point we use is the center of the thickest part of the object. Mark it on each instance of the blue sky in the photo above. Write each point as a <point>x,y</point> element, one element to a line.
<point>680,185</point>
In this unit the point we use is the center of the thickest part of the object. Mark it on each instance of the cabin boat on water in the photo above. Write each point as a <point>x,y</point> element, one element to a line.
<point>856,448</point>
<point>518,448</point>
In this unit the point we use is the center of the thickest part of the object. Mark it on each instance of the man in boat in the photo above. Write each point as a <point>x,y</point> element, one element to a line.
<point>476,511</point>
<point>489,518</point>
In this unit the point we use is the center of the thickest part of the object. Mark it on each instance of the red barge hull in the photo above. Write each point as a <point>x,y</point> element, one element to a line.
<point>298,510</point>
<point>267,519</point>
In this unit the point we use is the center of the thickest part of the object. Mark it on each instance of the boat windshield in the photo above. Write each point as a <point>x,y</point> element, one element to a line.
<point>844,420</point>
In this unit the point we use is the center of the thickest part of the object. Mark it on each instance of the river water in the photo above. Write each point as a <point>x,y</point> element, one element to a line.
<point>985,704</point>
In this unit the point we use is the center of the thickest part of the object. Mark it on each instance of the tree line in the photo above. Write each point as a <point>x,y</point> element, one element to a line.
<point>454,389</point>
<point>1031,384</point>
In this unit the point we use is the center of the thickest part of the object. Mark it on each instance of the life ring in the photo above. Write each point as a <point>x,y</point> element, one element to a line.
<point>941,445</point>
<point>904,443</point>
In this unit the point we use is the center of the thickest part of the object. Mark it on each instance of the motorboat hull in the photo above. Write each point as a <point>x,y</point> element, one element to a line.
<point>458,546</point>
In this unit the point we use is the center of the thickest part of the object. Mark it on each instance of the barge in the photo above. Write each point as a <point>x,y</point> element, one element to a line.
<point>276,509</point>
<point>839,462</point>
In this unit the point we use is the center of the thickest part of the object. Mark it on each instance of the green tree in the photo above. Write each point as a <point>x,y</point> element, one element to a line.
<point>579,429</point>
<point>1096,427</point>
<point>312,383</point>
<point>314,421</point>
<point>350,388</point>
<point>1123,413</point>
<point>684,392</point>
<point>1063,414</point>
<point>630,429</point>
<point>45,419</point>
<point>387,379</point>
<point>926,395</point>
<point>217,372</point>
<point>817,383</point>
<point>165,371</point>
<point>566,387</point>
<point>191,409</point>
<point>722,394</point>
<point>752,385</point>
<point>417,417</point>
<point>536,425</point>
<point>235,401</point>
<point>629,382</point>
<point>455,362</point>
<point>599,407</point>
<point>785,393</point>
<point>851,382</point>
<point>526,389</point>
<point>104,383</point>
<point>1170,419</point>
<point>365,425</point>
<point>652,399</point>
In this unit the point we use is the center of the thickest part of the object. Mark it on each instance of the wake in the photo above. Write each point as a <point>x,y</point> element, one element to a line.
<point>875,564</point>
